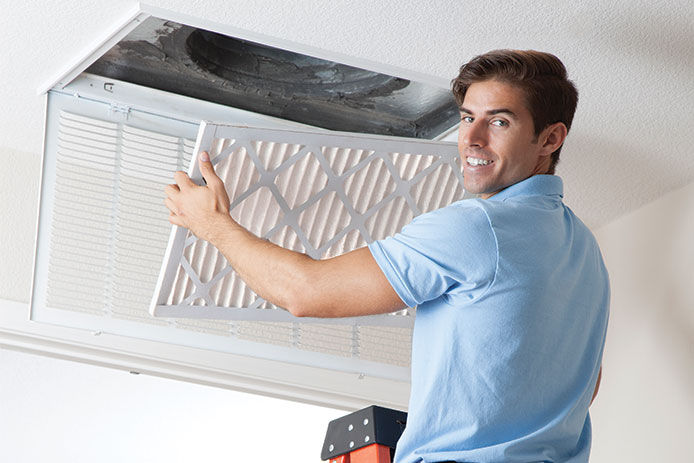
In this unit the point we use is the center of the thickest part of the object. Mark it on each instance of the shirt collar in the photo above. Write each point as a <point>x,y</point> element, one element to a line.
<point>537,185</point>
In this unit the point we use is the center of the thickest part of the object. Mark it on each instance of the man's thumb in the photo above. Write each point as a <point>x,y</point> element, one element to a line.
<point>207,169</point>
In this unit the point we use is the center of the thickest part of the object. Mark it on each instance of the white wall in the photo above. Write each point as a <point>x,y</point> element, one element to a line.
<point>645,409</point>
<point>19,186</point>
<point>65,412</point>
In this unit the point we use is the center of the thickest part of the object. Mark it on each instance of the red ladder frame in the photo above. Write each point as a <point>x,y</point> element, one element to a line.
<point>374,453</point>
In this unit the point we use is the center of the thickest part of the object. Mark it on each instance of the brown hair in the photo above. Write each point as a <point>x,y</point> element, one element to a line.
<point>551,97</point>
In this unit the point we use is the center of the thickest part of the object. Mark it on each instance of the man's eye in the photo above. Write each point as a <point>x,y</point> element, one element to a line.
<point>467,119</point>
<point>500,123</point>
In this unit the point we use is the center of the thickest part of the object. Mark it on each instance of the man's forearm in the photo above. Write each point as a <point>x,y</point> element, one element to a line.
<point>276,274</point>
<point>345,286</point>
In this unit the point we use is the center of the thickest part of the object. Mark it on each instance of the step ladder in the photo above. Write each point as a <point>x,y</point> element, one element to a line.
<point>368,435</point>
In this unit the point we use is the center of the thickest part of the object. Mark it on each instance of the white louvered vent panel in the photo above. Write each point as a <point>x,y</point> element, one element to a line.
<point>322,195</point>
<point>79,265</point>
<point>109,227</point>
<point>147,163</point>
<point>109,224</point>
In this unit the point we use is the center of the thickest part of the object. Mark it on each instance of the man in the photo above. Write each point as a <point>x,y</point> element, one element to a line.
<point>511,292</point>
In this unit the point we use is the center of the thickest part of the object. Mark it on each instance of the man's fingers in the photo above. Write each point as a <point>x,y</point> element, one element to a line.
<point>176,220</point>
<point>207,170</point>
<point>182,180</point>
<point>171,206</point>
<point>171,190</point>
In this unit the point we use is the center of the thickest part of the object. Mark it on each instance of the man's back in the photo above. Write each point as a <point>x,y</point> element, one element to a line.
<point>512,301</point>
<point>511,290</point>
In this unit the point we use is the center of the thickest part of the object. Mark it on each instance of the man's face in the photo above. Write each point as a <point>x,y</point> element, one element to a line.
<point>497,140</point>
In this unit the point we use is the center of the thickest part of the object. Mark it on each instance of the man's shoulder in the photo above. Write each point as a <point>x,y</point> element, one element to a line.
<point>460,215</point>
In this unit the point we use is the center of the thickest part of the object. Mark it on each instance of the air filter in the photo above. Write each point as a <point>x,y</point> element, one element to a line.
<point>322,194</point>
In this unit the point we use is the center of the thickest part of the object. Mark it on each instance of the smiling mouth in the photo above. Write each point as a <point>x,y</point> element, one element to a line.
<point>478,161</point>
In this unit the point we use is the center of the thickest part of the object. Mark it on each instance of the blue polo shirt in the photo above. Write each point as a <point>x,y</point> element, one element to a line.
<point>512,305</point>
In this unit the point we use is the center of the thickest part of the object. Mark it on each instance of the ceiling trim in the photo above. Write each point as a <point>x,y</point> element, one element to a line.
<point>87,57</point>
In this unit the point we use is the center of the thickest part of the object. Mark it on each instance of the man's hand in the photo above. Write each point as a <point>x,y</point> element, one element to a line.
<point>204,210</point>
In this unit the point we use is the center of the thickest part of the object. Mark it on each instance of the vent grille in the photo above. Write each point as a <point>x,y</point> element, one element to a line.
<point>109,224</point>
<point>109,227</point>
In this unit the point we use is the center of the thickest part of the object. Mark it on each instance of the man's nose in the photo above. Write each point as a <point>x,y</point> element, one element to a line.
<point>474,134</point>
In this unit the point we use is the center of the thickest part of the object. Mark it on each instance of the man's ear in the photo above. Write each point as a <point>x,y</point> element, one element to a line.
<point>552,137</point>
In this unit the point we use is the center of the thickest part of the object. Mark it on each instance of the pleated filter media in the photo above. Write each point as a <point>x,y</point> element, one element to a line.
<point>319,193</point>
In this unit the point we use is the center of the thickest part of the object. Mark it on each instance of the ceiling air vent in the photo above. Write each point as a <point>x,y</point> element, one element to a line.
<point>116,134</point>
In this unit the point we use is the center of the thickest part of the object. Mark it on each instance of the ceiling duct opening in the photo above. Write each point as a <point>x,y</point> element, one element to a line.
<point>210,66</point>
<point>293,74</point>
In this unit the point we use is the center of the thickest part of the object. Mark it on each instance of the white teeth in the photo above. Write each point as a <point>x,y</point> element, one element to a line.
<point>477,162</point>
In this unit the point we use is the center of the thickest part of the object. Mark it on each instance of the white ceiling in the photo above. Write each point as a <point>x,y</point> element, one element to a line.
<point>633,62</point>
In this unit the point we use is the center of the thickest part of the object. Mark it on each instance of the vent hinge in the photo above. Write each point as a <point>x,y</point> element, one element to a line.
<point>118,110</point>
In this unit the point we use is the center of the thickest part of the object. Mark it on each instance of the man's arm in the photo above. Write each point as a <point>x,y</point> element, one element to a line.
<point>348,285</point>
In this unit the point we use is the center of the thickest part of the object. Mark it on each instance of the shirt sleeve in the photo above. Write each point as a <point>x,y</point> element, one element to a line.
<point>450,251</point>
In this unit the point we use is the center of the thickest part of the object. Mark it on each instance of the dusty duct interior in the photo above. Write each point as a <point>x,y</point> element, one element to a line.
<point>257,66</point>
<point>205,65</point>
